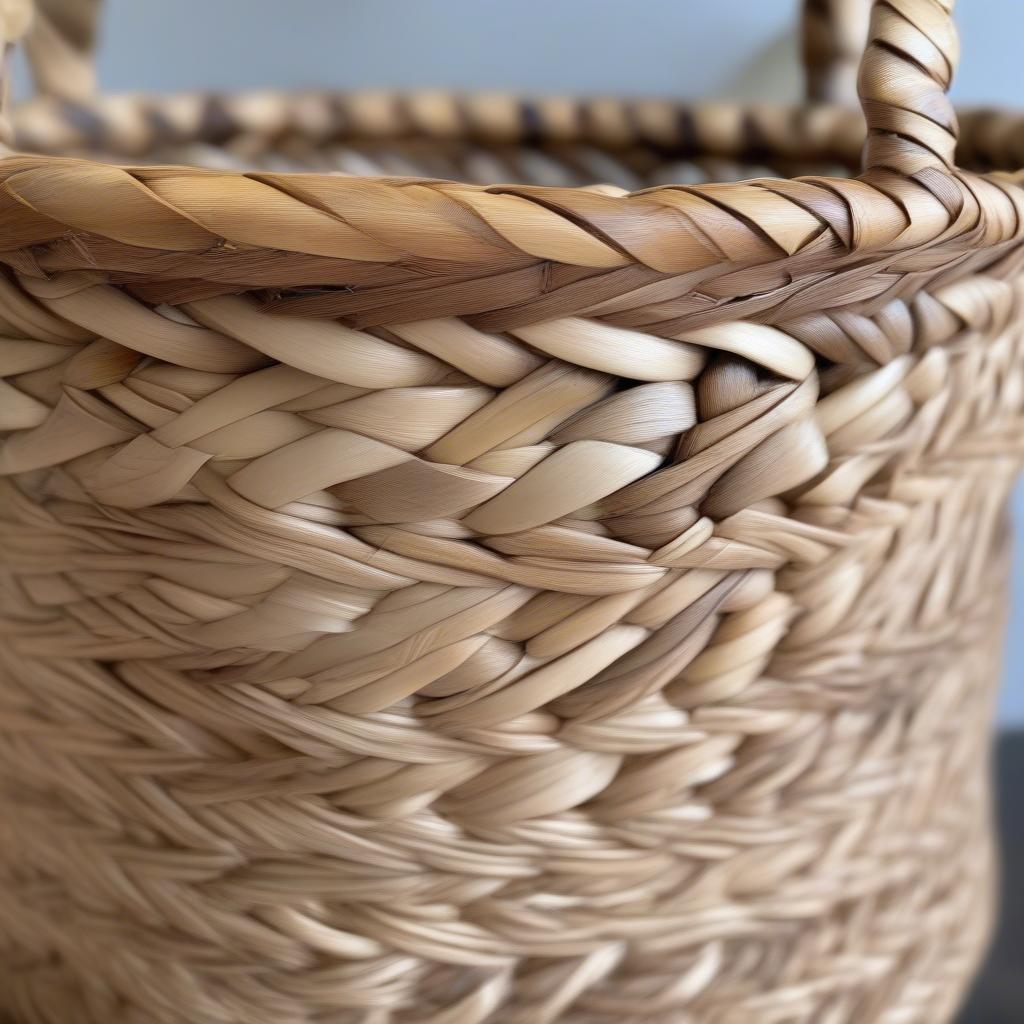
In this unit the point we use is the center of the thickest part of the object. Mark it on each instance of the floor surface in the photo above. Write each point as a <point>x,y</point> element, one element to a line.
<point>998,997</point>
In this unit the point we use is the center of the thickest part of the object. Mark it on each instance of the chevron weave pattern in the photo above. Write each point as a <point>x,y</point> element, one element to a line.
<point>425,603</point>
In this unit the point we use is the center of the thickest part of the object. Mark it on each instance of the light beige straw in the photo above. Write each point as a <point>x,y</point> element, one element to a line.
<point>433,603</point>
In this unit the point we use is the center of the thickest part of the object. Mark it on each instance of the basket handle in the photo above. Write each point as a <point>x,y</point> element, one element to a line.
<point>902,74</point>
<point>60,47</point>
<point>905,71</point>
<point>59,37</point>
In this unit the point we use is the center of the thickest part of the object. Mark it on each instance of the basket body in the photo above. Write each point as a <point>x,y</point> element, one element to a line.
<point>425,604</point>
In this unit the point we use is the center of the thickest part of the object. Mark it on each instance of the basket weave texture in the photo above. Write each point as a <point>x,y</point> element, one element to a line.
<point>430,603</point>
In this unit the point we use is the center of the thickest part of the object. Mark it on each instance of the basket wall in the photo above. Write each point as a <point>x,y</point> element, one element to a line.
<point>521,666</point>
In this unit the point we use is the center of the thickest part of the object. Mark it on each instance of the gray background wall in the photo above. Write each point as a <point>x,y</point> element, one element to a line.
<point>688,48</point>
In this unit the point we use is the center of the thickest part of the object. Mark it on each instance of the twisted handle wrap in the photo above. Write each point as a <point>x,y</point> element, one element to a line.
<point>899,56</point>
<point>912,52</point>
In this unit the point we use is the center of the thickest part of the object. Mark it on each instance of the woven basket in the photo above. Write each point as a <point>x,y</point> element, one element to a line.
<point>430,603</point>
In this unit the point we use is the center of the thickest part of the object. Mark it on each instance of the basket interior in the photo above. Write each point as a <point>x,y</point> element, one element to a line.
<point>588,142</point>
<point>575,164</point>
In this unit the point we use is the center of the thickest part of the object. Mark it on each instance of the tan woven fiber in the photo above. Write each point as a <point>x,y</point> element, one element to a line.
<point>433,603</point>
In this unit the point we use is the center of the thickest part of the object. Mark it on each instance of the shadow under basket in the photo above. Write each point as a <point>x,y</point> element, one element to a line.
<point>427,601</point>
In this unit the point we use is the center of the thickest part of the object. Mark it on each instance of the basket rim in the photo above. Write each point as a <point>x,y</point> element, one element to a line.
<point>455,230</point>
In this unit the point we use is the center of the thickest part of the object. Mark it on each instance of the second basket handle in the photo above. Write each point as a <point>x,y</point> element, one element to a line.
<point>59,36</point>
<point>60,46</point>
<point>833,36</point>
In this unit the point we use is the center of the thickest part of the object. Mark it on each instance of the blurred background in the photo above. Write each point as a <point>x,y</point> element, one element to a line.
<point>677,48</point>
